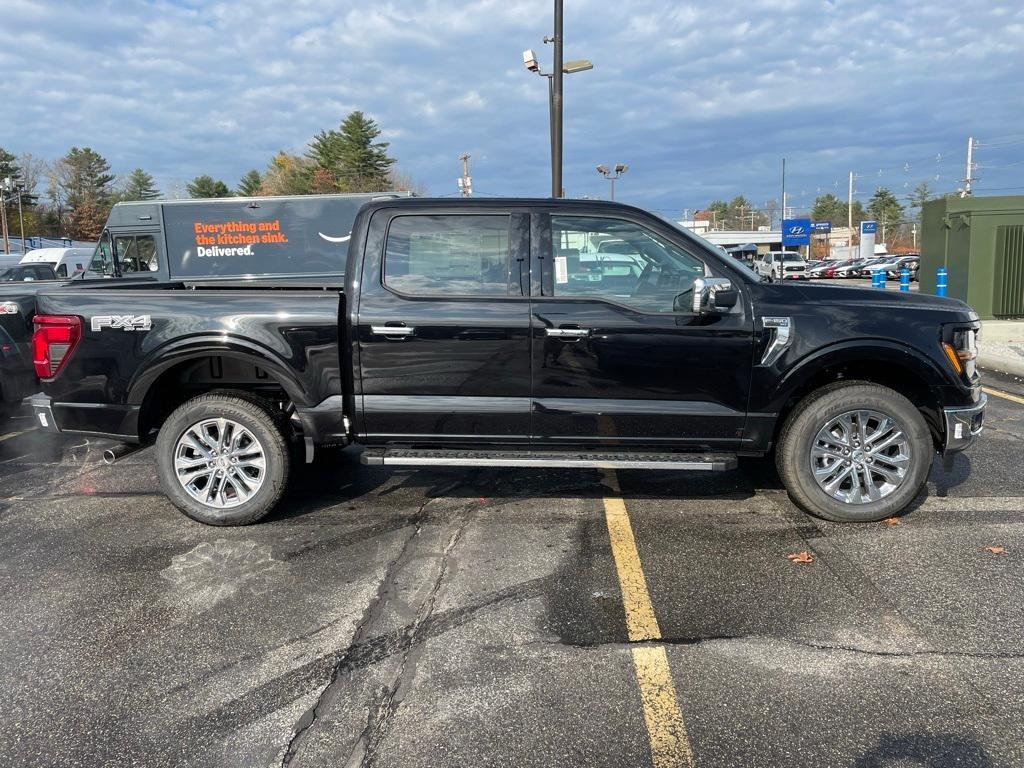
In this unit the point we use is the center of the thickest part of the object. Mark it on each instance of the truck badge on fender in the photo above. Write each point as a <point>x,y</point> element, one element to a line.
<point>123,322</point>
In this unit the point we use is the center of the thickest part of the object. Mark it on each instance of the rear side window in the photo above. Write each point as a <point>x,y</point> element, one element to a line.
<point>448,255</point>
<point>62,270</point>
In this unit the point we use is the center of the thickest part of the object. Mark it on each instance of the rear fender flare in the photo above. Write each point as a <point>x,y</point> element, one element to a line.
<point>195,348</point>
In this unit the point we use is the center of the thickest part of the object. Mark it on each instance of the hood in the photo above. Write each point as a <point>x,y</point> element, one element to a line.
<point>887,299</point>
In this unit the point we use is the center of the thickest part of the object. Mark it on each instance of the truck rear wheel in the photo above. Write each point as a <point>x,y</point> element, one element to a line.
<point>854,452</point>
<point>223,458</point>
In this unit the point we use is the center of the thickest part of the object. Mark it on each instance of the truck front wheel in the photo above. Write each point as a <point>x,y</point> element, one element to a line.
<point>854,452</point>
<point>223,458</point>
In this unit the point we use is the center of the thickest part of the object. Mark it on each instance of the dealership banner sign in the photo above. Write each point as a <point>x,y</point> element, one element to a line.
<point>796,232</point>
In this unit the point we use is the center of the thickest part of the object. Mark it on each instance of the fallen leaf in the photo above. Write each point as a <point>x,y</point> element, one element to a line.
<point>802,558</point>
<point>891,521</point>
<point>996,550</point>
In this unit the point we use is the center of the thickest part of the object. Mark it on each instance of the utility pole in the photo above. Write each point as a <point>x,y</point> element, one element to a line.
<point>556,102</point>
<point>466,182</point>
<point>3,213</point>
<point>21,220</point>
<point>849,209</point>
<point>969,178</point>
<point>782,218</point>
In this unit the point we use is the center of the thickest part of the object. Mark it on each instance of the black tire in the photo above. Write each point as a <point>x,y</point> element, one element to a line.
<point>256,416</point>
<point>792,457</point>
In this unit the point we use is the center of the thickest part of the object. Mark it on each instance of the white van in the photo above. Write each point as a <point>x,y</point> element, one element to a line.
<point>66,262</point>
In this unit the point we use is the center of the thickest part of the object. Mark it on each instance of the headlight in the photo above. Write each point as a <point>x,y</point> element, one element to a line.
<point>962,351</point>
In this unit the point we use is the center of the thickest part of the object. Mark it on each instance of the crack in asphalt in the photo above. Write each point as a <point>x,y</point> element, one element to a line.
<point>410,634</point>
<point>755,637</point>
<point>376,729</point>
<point>373,609</point>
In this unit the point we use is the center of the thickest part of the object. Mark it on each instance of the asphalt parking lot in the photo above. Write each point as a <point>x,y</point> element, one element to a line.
<point>474,618</point>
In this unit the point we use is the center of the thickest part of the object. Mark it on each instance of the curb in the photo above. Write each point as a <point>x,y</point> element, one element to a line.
<point>1001,364</point>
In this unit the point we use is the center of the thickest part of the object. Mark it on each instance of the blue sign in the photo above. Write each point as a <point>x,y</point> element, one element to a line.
<point>821,227</point>
<point>796,231</point>
<point>868,227</point>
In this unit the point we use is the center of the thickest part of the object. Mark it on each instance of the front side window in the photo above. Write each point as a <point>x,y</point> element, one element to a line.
<point>62,270</point>
<point>138,254</point>
<point>622,262</point>
<point>448,255</point>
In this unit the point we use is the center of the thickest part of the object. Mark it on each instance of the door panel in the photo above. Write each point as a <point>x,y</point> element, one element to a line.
<point>445,368</point>
<point>625,375</point>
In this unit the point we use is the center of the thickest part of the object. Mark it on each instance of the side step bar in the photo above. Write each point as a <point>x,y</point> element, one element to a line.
<point>703,462</point>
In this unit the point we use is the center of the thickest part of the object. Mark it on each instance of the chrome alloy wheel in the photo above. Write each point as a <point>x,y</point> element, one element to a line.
<point>860,456</point>
<point>219,463</point>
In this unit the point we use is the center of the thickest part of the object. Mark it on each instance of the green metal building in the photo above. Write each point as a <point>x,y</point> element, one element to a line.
<point>980,242</point>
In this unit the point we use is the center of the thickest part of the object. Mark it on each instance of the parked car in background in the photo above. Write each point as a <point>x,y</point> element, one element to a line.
<point>782,265</point>
<point>27,273</point>
<point>820,268</point>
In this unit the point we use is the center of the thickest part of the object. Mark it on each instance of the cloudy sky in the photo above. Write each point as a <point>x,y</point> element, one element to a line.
<point>701,100</point>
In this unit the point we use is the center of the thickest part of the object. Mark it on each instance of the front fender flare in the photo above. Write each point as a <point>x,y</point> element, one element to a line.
<point>853,350</point>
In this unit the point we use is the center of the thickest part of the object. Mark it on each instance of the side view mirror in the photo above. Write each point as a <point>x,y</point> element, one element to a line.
<point>713,295</point>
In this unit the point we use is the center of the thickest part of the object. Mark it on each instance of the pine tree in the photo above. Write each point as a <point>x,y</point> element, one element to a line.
<point>139,185</point>
<point>82,180</point>
<point>922,194</point>
<point>352,156</point>
<point>9,166</point>
<point>249,185</point>
<point>884,208</point>
<point>86,177</point>
<point>206,186</point>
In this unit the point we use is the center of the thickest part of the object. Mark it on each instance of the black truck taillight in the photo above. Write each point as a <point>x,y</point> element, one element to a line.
<point>53,341</point>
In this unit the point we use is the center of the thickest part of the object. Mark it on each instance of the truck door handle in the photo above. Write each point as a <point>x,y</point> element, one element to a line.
<point>393,330</point>
<point>569,334</point>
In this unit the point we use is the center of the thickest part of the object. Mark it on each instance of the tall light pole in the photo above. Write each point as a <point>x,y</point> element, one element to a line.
<point>612,175</point>
<point>556,93</point>
<point>21,219</point>
<point>5,184</point>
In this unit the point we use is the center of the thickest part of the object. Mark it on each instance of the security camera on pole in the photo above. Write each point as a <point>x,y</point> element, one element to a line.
<point>555,94</point>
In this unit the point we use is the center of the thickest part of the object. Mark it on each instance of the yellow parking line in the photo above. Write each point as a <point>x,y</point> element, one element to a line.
<point>15,434</point>
<point>1004,395</point>
<point>666,730</point>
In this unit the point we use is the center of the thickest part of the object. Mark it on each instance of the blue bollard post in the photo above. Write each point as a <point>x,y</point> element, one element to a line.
<point>941,281</point>
<point>877,278</point>
<point>904,279</point>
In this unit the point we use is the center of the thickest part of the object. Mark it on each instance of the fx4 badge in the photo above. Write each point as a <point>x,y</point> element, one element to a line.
<point>123,322</point>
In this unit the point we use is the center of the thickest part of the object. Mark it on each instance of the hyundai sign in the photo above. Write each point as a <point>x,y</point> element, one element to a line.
<point>796,232</point>
<point>821,227</point>
<point>868,227</point>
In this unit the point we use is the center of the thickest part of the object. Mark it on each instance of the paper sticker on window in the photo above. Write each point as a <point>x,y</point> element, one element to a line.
<point>561,270</point>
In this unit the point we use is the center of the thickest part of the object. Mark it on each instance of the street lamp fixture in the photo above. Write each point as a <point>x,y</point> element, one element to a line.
<point>620,168</point>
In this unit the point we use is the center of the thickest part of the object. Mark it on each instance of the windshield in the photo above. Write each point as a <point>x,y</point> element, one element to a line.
<point>791,257</point>
<point>103,257</point>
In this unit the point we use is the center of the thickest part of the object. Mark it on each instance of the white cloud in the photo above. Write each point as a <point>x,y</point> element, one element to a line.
<point>698,99</point>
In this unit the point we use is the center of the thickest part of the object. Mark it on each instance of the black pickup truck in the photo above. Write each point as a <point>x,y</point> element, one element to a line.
<point>516,333</point>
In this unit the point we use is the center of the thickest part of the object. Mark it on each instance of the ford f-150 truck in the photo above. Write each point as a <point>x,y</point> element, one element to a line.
<point>500,333</point>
